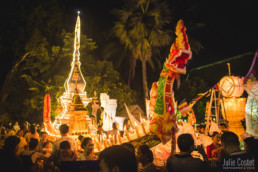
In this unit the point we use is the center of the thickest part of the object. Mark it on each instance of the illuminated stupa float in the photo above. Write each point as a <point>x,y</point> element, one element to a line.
<point>72,103</point>
<point>71,109</point>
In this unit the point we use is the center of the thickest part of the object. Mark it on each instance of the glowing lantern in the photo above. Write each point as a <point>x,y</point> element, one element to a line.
<point>235,111</point>
<point>231,86</point>
<point>251,109</point>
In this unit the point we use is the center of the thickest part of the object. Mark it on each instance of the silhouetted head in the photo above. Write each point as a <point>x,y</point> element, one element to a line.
<point>144,154</point>
<point>33,143</point>
<point>185,143</point>
<point>64,129</point>
<point>11,144</point>
<point>117,158</point>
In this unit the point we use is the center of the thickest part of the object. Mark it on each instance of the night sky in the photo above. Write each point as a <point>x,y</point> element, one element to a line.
<point>231,26</point>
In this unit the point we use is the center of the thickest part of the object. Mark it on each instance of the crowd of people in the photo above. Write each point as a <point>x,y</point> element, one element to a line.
<point>29,149</point>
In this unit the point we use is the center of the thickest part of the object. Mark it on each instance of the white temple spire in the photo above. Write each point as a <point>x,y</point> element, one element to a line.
<point>75,78</point>
<point>76,54</point>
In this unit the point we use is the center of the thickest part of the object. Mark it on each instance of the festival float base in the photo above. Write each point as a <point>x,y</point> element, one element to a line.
<point>101,141</point>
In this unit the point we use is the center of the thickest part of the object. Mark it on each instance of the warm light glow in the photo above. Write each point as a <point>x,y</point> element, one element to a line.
<point>127,134</point>
<point>235,112</point>
<point>105,141</point>
<point>137,130</point>
<point>231,86</point>
<point>119,138</point>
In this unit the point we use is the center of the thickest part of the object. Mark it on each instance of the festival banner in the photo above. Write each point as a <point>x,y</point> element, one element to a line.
<point>184,108</point>
<point>131,117</point>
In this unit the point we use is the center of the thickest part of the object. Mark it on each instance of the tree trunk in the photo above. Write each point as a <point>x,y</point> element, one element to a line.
<point>8,79</point>
<point>144,81</point>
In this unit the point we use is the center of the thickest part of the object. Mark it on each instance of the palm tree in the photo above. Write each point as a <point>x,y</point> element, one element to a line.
<point>141,29</point>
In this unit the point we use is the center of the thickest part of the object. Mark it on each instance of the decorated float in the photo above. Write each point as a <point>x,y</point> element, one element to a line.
<point>161,127</point>
<point>72,110</point>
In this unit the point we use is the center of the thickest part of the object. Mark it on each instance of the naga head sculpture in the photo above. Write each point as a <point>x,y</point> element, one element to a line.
<point>180,51</point>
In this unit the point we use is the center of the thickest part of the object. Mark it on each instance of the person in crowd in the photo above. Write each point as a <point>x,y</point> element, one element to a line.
<point>25,128</point>
<point>8,155</point>
<point>53,159</point>
<point>79,143</point>
<point>250,145</point>
<point>117,158</point>
<point>32,134</point>
<point>30,157</point>
<point>47,152</point>
<point>100,113</point>
<point>202,129</point>
<point>214,148</point>
<point>127,126</point>
<point>145,158</point>
<point>23,143</point>
<point>100,130</point>
<point>9,131</point>
<point>38,127</point>
<point>65,153</point>
<point>198,128</point>
<point>47,149</point>
<point>88,153</point>
<point>43,140</point>
<point>16,127</point>
<point>129,146</point>
<point>234,158</point>
<point>114,132</point>
<point>64,129</point>
<point>223,127</point>
<point>80,138</point>
<point>183,161</point>
<point>10,124</point>
<point>213,127</point>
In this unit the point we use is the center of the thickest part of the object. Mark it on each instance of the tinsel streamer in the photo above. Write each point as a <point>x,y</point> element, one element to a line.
<point>173,142</point>
<point>46,112</point>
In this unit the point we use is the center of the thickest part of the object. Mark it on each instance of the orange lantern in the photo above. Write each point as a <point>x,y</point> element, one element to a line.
<point>235,111</point>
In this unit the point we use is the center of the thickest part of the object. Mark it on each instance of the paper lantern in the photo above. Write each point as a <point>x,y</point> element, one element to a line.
<point>235,112</point>
<point>251,116</point>
<point>251,108</point>
<point>231,86</point>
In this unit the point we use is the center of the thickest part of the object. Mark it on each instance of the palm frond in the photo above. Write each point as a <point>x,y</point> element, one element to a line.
<point>33,89</point>
<point>196,46</point>
<point>139,31</point>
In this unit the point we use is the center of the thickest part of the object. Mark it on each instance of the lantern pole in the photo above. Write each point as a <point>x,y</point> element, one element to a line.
<point>209,111</point>
<point>229,70</point>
